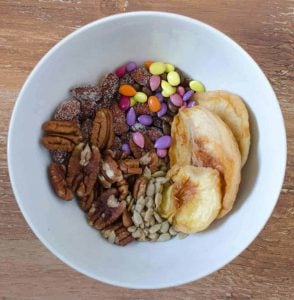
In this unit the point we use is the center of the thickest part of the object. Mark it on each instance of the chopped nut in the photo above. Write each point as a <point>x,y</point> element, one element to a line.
<point>130,166</point>
<point>140,187</point>
<point>101,215</point>
<point>85,156</point>
<point>126,219</point>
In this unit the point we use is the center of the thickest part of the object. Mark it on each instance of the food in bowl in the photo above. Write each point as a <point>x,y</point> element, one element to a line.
<point>149,154</point>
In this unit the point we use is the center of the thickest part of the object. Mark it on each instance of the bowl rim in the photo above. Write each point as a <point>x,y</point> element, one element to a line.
<point>27,82</point>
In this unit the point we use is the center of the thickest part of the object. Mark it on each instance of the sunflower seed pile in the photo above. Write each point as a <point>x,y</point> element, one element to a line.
<point>148,225</point>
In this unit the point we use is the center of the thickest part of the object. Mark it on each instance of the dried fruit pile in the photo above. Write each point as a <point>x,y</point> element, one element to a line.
<point>109,146</point>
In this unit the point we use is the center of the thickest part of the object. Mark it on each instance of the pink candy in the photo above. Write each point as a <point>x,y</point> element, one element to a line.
<point>124,103</point>
<point>154,82</point>
<point>176,100</point>
<point>120,71</point>
<point>161,153</point>
<point>138,139</point>
<point>180,91</point>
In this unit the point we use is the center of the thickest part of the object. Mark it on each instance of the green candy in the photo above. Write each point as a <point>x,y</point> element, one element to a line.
<point>140,97</point>
<point>173,78</point>
<point>132,101</point>
<point>197,86</point>
<point>169,68</point>
<point>157,68</point>
<point>168,90</point>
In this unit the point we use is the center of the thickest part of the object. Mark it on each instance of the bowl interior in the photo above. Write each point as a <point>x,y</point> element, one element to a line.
<point>83,57</point>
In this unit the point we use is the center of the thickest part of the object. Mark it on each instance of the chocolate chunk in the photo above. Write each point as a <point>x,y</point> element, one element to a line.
<point>68,110</point>
<point>141,76</point>
<point>119,120</point>
<point>109,86</point>
<point>91,93</point>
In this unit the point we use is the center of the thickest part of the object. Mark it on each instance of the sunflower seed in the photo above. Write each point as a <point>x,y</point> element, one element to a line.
<point>164,237</point>
<point>152,221</point>
<point>164,227</point>
<point>145,231</point>
<point>141,201</point>
<point>158,198</point>
<point>153,236</point>
<point>132,229</point>
<point>158,187</point>
<point>149,202</point>
<point>155,228</point>
<point>182,235</point>
<point>163,168</point>
<point>136,234</point>
<point>162,180</point>
<point>158,174</point>
<point>139,207</point>
<point>148,215</point>
<point>172,231</point>
<point>137,219</point>
<point>111,237</point>
<point>150,189</point>
<point>157,217</point>
<point>147,173</point>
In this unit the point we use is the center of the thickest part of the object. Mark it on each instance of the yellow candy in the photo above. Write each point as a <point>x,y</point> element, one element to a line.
<point>169,68</point>
<point>132,101</point>
<point>157,68</point>
<point>173,78</point>
<point>140,97</point>
<point>197,86</point>
<point>167,89</point>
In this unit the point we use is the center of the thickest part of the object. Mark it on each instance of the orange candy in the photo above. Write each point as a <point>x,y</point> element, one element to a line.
<point>154,104</point>
<point>147,63</point>
<point>127,90</point>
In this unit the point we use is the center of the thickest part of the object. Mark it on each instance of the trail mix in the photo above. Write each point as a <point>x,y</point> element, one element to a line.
<point>109,146</point>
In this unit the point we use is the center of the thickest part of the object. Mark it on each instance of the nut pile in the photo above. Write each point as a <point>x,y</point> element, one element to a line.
<point>109,146</point>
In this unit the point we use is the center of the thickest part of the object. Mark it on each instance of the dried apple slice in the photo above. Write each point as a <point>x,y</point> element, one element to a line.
<point>232,110</point>
<point>193,200</point>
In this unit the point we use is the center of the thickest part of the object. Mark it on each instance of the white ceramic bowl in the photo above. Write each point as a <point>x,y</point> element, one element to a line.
<point>85,55</point>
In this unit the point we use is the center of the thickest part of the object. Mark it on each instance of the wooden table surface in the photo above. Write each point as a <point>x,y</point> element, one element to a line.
<point>28,29</point>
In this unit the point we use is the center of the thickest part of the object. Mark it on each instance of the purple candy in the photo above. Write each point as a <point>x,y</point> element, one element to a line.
<point>162,111</point>
<point>176,100</point>
<point>126,148</point>
<point>154,82</point>
<point>131,117</point>
<point>181,90</point>
<point>159,96</point>
<point>191,104</point>
<point>131,66</point>
<point>124,103</point>
<point>188,95</point>
<point>163,142</point>
<point>161,153</point>
<point>138,139</point>
<point>145,120</point>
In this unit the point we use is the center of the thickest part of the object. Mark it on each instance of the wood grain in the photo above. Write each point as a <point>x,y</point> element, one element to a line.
<point>28,29</point>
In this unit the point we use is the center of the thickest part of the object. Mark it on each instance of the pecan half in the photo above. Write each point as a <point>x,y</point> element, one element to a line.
<point>57,178</point>
<point>90,173</point>
<point>106,210</point>
<point>61,135</point>
<point>102,131</point>
<point>74,167</point>
<point>85,156</point>
<point>87,201</point>
<point>140,187</point>
<point>130,166</point>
